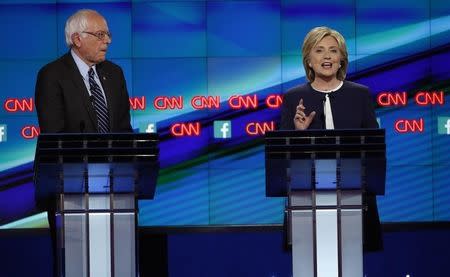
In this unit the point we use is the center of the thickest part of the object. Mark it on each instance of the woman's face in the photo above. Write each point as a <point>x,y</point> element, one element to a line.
<point>325,58</point>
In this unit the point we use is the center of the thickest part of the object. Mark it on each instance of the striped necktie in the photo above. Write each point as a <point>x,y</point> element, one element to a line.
<point>99,104</point>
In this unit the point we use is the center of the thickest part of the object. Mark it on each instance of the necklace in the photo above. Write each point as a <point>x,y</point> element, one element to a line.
<point>329,90</point>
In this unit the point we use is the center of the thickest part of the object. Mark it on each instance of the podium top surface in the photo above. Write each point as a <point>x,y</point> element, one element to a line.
<point>282,134</point>
<point>345,159</point>
<point>94,147</point>
<point>96,136</point>
<point>300,144</point>
<point>87,162</point>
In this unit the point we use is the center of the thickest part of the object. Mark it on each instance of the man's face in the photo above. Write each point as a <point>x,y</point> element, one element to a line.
<point>90,46</point>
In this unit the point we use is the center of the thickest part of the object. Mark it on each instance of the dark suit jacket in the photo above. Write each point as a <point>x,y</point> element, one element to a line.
<point>352,108</point>
<point>63,104</point>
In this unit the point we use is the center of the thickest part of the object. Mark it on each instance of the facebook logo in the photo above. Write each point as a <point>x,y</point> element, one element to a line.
<point>2,132</point>
<point>222,129</point>
<point>443,125</point>
<point>147,128</point>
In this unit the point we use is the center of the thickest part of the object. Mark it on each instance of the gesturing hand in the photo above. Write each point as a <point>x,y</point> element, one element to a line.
<point>301,120</point>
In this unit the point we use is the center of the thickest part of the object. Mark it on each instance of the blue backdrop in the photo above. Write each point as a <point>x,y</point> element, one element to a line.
<point>225,48</point>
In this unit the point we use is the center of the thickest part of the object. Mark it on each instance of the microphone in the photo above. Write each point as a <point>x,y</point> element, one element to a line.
<point>91,97</point>
<point>323,118</point>
<point>82,126</point>
<point>331,94</point>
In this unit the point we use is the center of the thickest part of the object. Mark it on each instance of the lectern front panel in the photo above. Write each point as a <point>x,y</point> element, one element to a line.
<point>75,245</point>
<point>99,245</point>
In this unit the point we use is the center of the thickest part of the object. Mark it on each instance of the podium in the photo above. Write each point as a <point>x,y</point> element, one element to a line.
<point>94,181</point>
<point>325,174</point>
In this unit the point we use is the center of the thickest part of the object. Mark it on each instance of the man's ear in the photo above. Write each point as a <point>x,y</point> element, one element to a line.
<point>76,40</point>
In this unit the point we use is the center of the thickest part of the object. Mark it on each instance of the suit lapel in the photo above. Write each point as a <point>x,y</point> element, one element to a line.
<point>82,90</point>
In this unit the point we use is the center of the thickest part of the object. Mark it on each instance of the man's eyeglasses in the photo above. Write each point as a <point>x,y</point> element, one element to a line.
<point>100,35</point>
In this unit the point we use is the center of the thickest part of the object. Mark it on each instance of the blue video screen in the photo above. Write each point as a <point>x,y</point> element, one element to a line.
<point>208,76</point>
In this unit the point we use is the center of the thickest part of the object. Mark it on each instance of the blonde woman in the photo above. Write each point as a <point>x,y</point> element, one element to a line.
<point>328,101</point>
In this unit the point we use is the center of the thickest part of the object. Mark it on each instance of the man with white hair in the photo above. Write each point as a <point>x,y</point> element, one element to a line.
<point>81,92</point>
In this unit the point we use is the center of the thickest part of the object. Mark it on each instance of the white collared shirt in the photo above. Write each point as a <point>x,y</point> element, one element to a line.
<point>83,68</point>
<point>329,123</point>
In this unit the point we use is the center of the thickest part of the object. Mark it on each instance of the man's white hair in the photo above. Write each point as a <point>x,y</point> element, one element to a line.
<point>77,23</point>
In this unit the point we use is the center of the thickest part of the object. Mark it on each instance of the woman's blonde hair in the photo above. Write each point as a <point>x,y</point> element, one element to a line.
<point>312,39</point>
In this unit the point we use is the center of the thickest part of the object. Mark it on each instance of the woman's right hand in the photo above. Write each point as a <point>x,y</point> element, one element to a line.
<point>301,120</point>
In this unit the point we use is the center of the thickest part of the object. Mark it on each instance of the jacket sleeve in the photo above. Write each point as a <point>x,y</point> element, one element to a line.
<point>287,114</point>
<point>124,114</point>
<point>49,102</point>
<point>369,118</point>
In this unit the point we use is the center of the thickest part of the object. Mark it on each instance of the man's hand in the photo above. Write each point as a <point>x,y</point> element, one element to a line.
<point>301,120</point>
